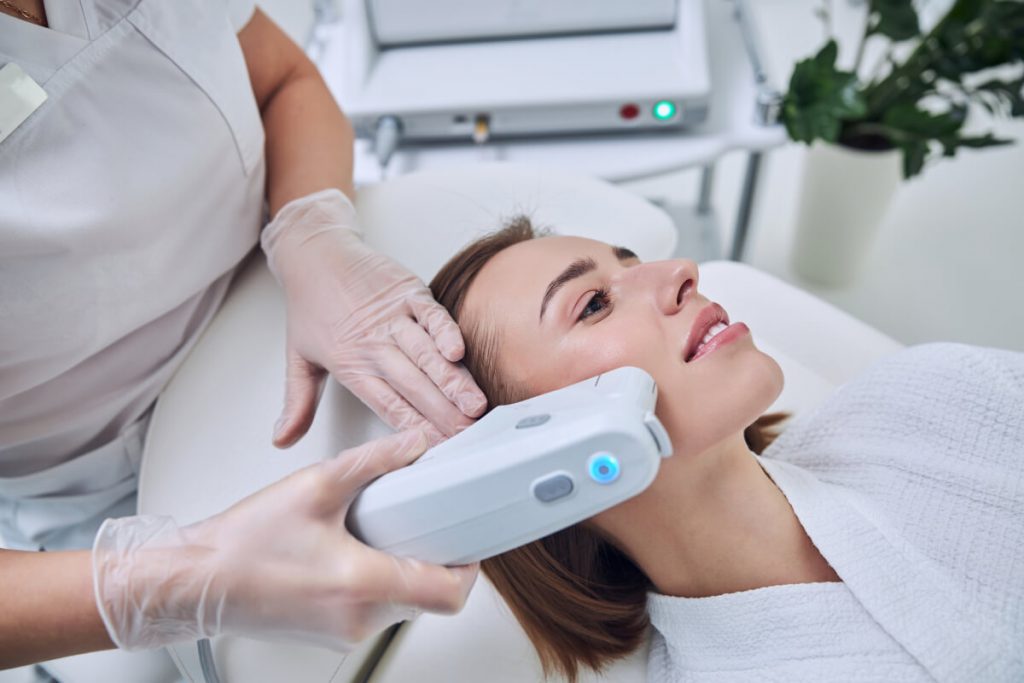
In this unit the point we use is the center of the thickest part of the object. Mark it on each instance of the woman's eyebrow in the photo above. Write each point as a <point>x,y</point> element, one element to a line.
<point>577,268</point>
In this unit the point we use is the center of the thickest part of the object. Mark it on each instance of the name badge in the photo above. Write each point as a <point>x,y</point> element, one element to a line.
<point>19,97</point>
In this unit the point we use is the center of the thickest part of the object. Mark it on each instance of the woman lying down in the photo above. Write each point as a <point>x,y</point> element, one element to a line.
<point>880,538</point>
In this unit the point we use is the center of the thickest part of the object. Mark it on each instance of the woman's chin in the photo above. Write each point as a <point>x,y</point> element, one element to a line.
<point>775,378</point>
<point>698,413</point>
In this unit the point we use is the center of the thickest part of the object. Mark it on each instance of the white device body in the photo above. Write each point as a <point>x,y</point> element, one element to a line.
<point>401,22</point>
<point>501,483</point>
<point>533,83</point>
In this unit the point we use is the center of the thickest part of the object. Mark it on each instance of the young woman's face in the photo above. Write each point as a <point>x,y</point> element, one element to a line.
<point>563,309</point>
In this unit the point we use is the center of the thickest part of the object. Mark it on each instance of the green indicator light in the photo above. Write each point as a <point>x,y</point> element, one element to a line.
<point>664,110</point>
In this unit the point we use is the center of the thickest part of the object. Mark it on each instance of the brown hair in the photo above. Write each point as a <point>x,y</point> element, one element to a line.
<point>580,599</point>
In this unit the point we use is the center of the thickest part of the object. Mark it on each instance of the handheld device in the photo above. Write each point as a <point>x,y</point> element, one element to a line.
<point>522,472</point>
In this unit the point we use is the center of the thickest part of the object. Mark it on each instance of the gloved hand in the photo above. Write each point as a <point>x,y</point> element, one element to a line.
<point>366,320</point>
<point>277,565</point>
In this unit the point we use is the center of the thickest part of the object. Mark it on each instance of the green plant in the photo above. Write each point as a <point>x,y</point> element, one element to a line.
<point>918,104</point>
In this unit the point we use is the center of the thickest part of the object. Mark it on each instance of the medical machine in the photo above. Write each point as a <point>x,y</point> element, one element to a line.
<point>522,472</point>
<point>475,69</point>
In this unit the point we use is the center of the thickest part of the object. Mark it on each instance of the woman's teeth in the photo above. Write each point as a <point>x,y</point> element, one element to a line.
<point>715,329</point>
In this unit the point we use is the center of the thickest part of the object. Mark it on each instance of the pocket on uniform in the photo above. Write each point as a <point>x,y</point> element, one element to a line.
<point>198,37</point>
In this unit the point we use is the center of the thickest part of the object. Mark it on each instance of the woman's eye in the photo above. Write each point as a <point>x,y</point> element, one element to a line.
<point>597,303</point>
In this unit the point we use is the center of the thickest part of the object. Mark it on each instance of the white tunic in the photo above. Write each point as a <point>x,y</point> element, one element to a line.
<point>910,482</point>
<point>126,201</point>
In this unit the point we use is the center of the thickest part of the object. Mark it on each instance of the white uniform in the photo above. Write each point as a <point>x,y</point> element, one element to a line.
<point>126,201</point>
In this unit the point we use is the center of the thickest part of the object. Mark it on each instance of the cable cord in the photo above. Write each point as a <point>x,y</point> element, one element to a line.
<point>206,661</point>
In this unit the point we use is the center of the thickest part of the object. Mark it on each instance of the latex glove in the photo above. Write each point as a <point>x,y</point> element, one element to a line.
<point>366,320</point>
<point>277,565</point>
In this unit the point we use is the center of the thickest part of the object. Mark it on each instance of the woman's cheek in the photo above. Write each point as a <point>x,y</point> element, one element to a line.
<point>599,347</point>
<point>604,349</point>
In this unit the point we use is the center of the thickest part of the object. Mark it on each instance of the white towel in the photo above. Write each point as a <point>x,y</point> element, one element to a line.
<point>910,481</point>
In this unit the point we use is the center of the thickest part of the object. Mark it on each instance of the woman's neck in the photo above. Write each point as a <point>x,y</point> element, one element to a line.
<point>32,11</point>
<point>714,524</point>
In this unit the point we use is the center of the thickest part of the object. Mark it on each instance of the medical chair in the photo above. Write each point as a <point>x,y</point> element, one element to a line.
<point>209,441</point>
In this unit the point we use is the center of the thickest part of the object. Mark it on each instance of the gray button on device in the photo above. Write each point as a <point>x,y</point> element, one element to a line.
<point>532,421</point>
<point>553,488</point>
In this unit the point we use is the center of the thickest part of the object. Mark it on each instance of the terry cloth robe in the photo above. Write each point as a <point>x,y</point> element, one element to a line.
<point>910,482</point>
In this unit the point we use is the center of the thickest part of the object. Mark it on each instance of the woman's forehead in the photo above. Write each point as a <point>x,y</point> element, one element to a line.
<point>538,260</point>
<point>525,269</point>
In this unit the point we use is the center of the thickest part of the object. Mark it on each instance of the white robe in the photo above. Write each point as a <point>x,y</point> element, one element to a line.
<point>910,482</point>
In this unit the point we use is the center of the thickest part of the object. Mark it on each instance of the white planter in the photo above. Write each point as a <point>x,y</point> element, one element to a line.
<point>843,200</point>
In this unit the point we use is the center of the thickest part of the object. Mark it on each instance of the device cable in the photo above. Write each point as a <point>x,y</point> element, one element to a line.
<point>206,662</point>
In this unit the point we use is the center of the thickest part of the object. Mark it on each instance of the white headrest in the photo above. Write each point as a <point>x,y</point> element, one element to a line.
<point>422,219</point>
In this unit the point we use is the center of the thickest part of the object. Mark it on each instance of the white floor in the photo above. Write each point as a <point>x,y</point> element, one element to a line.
<point>949,262</point>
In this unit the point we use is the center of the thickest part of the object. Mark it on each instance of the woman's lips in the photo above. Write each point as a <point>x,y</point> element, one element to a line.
<point>706,318</point>
<point>734,331</point>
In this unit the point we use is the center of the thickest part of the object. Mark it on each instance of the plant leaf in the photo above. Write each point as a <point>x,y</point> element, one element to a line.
<point>976,35</point>
<point>1008,91</point>
<point>948,146</point>
<point>820,98</point>
<point>923,124</point>
<point>979,141</point>
<point>826,57</point>
<point>964,11</point>
<point>914,154</point>
<point>895,19</point>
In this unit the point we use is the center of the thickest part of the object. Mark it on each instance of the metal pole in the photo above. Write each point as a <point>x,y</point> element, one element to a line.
<point>767,108</point>
<point>739,240</point>
<point>707,175</point>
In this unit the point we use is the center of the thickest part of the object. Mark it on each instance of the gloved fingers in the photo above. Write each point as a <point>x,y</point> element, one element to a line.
<point>405,582</point>
<point>439,325</point>
<point>390,407</point>
<point>303,385</point>
<point>346,475</point>
<point>422,394</point>
<point>453,380</point>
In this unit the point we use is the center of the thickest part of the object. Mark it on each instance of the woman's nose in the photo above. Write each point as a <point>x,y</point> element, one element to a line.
<point>671,284</point>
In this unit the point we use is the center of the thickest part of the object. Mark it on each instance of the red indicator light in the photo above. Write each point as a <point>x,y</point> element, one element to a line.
<point>629,111</point>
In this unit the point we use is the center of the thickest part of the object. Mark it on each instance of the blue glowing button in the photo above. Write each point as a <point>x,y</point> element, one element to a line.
<point>554,487</point>
<point>603,468</point>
